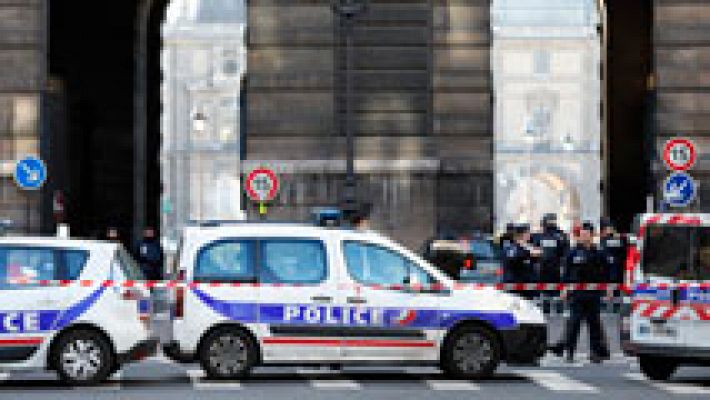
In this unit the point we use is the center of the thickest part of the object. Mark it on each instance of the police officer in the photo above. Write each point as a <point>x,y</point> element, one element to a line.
<point>554,244</point>
<point>584,264</point>
<point>149,254</point>
<point>613,250</point>
<point>518,264</point>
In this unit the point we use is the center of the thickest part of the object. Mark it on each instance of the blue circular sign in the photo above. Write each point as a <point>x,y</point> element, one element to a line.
<point>679,190</point>
<point>30,173</point>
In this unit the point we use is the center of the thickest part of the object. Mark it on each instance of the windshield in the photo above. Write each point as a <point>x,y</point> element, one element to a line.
<point>677,252</point>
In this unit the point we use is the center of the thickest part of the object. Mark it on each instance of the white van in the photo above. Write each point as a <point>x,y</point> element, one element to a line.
<point>668,323</point>
<point>59,310</point>
<point>269,294</point>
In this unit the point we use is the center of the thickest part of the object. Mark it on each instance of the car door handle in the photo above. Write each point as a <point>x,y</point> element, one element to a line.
<point>356,300</point>
<point>322,299</point>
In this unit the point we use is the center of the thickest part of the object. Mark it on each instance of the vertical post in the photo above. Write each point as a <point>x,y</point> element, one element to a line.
<point>348,10</point>
<point>140,119</point>
<point>350,179</point>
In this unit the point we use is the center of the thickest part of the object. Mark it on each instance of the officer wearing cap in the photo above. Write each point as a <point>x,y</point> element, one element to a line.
<point>518,264</point>
<point>583,264</point>
<point>554,245</point>
<point>613,251</point>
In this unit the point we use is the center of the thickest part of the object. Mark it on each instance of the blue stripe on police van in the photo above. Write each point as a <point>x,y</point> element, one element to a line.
<point>692,294</point>
<point>74,312</point>
<point>335,315</point>
<point>34,321</point>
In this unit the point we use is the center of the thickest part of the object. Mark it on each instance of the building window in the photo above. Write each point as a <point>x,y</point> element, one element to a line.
<point>541,62</point>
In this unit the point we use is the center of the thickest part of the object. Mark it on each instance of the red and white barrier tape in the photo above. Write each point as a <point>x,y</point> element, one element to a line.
<point>457,286</point>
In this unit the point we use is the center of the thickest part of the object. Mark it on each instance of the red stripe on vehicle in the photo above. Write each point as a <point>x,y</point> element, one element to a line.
<point>16,342</point>
<point>347,342</point>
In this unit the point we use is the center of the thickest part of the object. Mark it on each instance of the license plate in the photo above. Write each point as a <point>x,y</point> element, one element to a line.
<point>663,331</point>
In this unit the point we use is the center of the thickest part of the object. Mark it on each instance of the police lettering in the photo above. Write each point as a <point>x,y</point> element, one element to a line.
<point>328,315</point>
<point>18,322</point>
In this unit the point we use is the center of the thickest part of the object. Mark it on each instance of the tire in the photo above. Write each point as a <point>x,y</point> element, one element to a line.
<point>227,353</point>
<point>471,352</point>
<point>83,357</point>
<point>657,368</point>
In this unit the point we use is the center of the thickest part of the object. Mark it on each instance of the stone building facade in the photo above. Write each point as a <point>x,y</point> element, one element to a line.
<point>203,63</point>
<point>22,93</point>
<point>547,85</point>
<point>422,100</point>
<point>423,106</point>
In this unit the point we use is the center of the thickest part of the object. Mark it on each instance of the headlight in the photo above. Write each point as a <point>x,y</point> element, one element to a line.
<point>523,306</point>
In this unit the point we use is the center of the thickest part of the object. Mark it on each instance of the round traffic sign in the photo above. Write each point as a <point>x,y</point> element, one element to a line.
<point>679,154</point>
<point>30,173</point>
<point>262,185</point>
<point>679,189</point>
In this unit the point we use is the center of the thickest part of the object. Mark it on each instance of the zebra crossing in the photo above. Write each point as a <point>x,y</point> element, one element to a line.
<point>563,379</point>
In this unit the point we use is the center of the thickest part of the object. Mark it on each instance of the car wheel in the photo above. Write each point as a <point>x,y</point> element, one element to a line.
<point>471,352</point>
<point>657,368</point>
<point>227,353</point>
<point>83,357</point>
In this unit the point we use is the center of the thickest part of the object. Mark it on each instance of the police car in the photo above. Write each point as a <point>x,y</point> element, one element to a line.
<point>668,323</point>
<point>268,294</point>
<point>57,311</point>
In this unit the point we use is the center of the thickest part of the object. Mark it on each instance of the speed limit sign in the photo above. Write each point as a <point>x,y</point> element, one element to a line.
<point>679,154</point>
<point>262,185</point>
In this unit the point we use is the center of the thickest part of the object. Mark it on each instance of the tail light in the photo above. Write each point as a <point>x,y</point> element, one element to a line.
<point>179,310</point>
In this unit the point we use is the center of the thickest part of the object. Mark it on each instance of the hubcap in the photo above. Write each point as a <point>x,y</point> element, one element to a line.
<point>228,355</point>
<point>472,352</point>
<point>81,359</point>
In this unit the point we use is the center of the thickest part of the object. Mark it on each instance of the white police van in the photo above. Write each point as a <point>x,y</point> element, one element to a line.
<point>668,323</point>
<point>270,294</point>
<point>59,310</point>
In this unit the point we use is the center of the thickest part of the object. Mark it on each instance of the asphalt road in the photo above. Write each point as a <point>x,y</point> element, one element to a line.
<point>158,378</point>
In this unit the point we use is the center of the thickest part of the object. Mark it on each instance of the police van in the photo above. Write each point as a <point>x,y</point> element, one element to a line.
<point>275,294</point>
<point>668,323</point>
<point>59,308</point>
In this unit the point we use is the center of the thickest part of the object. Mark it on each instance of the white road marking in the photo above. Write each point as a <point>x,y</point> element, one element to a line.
<point>557,382</point>
<point>445,385</point>
<point>670,387</point>
<point>4,376</point>
<point>197,376</point>
<point>334,384</point>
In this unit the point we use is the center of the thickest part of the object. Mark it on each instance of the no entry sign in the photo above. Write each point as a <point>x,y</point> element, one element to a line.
<point>262,185</point>
<point>679,154</point>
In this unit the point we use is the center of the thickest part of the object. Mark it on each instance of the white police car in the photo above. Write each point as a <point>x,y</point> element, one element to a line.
<point>59,310</point>
<point>265,294</point>
<point>668,323</point>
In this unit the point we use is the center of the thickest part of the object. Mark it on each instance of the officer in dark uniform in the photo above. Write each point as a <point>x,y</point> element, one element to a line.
<point>584,264</point>
<point>554,244</point>
<point>506,238</point>
<point>518,264</point>
<point>613,249</point>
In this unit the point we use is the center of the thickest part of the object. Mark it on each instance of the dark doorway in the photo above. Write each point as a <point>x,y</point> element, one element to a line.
<point>629,151</point>
<point>92,61</point>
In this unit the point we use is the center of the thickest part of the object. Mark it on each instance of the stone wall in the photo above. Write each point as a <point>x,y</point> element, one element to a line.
<point>682,80</point>
<point>22,61</point>
<point>421,81</point>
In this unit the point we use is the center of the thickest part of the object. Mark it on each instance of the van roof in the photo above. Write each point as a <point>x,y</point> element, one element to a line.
<point>55,242</point>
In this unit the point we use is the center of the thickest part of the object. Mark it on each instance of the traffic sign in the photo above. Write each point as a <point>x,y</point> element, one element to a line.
<point>679,154</point>
<point>679,190</point>
<point>262,185</point>
<point>30,173</point>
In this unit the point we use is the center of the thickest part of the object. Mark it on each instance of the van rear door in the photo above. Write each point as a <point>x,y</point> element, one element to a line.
<point>666,262</point>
